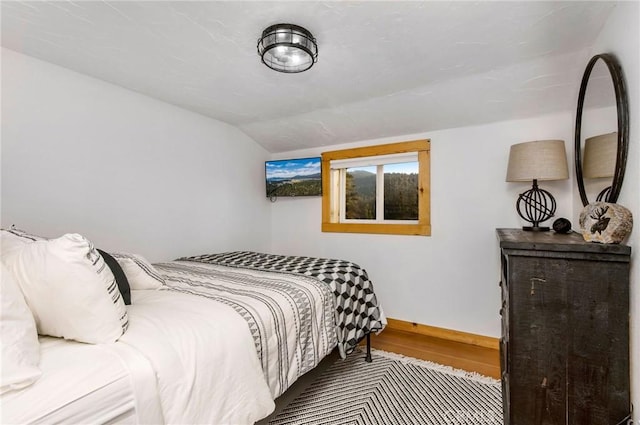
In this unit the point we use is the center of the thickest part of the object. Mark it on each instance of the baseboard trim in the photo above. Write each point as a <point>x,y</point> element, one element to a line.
<point>442,333</point>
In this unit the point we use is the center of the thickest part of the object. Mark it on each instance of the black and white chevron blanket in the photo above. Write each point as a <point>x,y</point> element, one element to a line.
<point>357,310</point>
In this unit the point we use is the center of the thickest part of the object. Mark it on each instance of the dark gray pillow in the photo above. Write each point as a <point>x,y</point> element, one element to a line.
<point>118,273</point>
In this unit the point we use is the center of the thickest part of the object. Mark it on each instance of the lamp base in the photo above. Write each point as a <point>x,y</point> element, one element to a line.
<point>535,229</point>
<point>535,206</point>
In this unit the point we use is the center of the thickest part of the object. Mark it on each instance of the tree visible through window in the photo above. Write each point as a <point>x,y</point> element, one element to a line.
<point>360,193</point>
<point>401,191</point>
<point>378,189</point>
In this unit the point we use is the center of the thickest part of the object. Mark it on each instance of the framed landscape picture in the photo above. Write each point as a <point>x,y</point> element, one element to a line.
<point>294,177</point>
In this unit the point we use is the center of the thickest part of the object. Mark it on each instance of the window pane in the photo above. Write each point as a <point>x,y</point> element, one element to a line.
<point>401,191</point>
<point>360,193</point>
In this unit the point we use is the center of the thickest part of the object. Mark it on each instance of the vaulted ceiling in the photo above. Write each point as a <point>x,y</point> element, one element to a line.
<point>385,68</point>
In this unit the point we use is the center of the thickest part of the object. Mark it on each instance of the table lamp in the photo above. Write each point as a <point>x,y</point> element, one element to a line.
<point>533,161</point>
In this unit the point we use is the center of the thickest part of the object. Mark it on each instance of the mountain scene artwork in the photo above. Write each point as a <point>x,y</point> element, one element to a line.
<point>294,177</point>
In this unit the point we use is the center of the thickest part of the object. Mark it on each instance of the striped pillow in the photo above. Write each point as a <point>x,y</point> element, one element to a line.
<point>140,273</point>
<point>70,290</point>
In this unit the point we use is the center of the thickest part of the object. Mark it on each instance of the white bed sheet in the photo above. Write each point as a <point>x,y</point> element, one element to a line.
<point>206,365</point>
<point>183,360</point>
<point>80,383</point>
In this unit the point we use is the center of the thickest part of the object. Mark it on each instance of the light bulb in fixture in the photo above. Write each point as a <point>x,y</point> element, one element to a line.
<point>287,48</point>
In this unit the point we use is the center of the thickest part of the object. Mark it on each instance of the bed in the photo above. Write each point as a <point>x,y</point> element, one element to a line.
<point>217,342</point>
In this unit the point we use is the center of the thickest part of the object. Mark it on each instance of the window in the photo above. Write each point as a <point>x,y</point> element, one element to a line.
<point>377,189</point>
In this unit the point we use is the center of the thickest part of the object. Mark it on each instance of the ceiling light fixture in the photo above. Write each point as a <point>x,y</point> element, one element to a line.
<point>287,48</point>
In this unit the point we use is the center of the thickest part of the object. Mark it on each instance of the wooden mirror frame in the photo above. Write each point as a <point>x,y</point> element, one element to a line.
<point>622,106</point>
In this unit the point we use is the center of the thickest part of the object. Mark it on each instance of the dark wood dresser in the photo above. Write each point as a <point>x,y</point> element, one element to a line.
<point>565,329</point>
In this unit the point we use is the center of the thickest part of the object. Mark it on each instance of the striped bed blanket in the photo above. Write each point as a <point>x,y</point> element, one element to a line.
<point>357,312</point>
<point>290,317</point>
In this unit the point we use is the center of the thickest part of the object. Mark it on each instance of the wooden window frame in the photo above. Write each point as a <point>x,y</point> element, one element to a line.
<point>421,228</point>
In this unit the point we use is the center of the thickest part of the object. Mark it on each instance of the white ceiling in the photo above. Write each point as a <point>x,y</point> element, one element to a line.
<point>385,68</point>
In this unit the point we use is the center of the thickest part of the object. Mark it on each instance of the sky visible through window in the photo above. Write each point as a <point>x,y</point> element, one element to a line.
<point>404,168</point>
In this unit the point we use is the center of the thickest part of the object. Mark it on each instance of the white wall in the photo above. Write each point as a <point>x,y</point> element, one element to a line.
<point>621,36</point>
<point>129,172</point>
<point>449,279</point>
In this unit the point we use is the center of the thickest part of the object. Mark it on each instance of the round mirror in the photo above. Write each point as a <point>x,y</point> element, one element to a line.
<point>602,130</point>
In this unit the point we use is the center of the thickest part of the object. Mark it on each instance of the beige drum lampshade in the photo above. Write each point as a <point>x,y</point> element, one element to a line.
<point>538,160</point>
<point>600,153</point>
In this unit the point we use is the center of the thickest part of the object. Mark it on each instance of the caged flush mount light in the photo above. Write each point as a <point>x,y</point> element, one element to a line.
<point>287,48</point>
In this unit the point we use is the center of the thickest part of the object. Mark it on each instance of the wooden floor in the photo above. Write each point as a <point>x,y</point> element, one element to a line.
<point>485,361</point>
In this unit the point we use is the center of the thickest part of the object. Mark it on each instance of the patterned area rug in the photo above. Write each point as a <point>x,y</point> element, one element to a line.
<point>394,390</point>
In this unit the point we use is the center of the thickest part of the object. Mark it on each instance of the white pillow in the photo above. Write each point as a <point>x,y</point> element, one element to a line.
<point>28,237</point>
<point>70,290</point>
<point>20,346</point>
<point>11,244</point>
<point>12,240</point>
<point>140,273</point>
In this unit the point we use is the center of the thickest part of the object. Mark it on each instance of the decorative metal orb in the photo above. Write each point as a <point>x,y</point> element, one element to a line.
<point>535,206</point>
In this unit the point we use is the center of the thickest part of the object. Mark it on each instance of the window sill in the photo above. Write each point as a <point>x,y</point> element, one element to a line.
<point>387,229</point>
